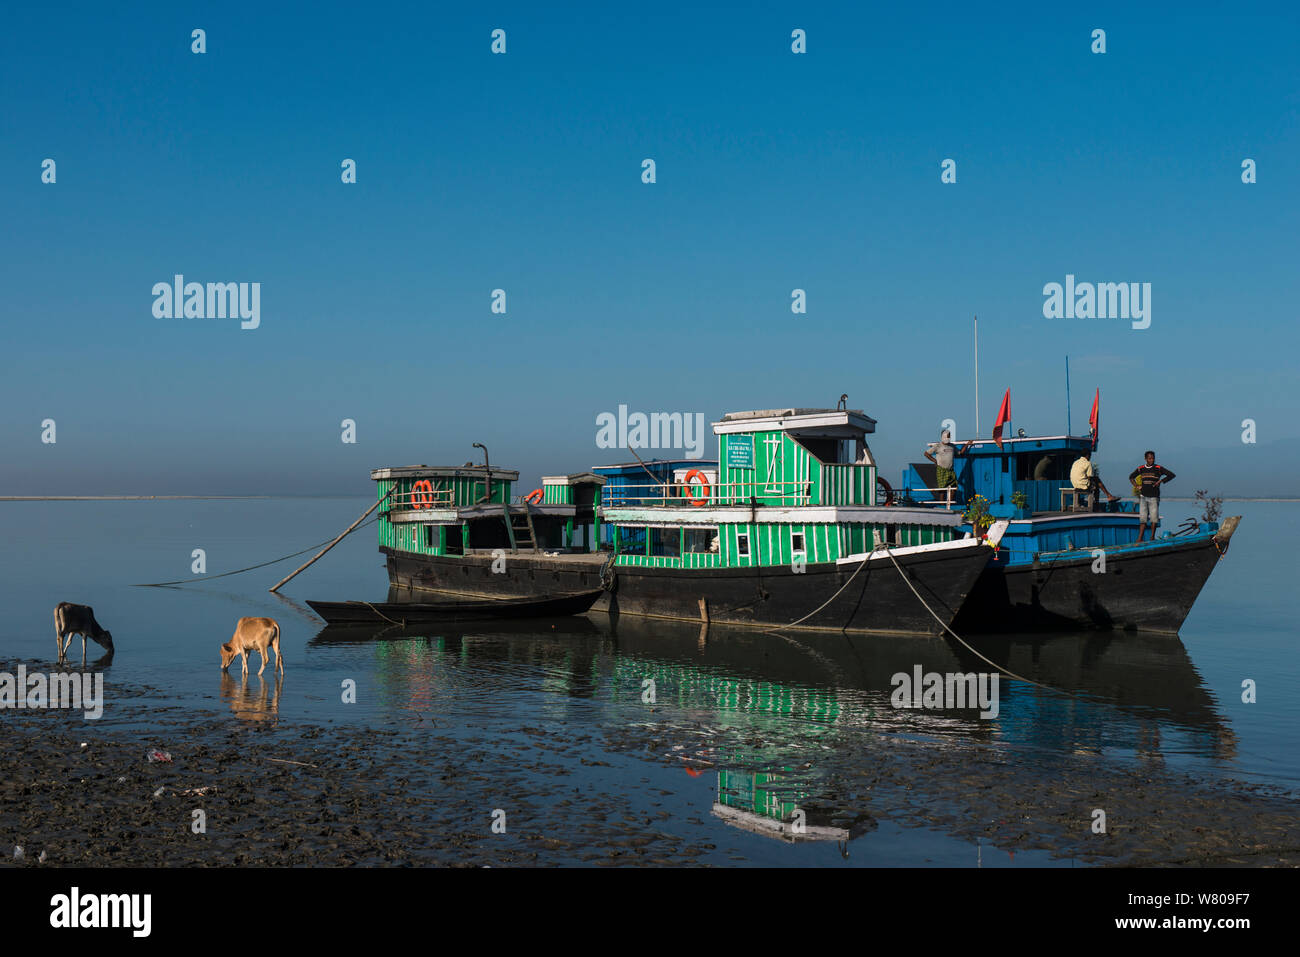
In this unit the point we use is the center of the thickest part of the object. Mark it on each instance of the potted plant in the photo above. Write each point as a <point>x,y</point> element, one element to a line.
<point>977,513</point>
<point>1021,501</point>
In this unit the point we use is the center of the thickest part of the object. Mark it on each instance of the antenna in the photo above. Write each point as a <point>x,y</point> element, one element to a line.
<point>977,376</point>
<point>1067,396</point>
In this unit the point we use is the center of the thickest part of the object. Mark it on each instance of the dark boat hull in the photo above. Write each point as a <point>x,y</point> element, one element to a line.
<point>549,606</point>
<point>1144,589</point>
<point>875,599</point>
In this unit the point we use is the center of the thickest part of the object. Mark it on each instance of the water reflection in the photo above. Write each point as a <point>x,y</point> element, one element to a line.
<point>254,699</point>
<point>764,802</point>
<point>789,723</point>
<point>1130,691</point>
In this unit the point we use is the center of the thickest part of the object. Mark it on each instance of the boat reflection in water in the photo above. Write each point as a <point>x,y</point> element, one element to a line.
<point>790,724</point>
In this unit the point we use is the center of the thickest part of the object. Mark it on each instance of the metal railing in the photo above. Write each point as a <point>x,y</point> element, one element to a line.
<point>677,494</point>
<point>948,497</point>
<point>420,496</point>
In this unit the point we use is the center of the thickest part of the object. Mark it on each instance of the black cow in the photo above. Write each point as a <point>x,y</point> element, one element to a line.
<point>70,619</point>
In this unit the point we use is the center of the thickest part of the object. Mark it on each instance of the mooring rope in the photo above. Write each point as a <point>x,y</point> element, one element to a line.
<point>831,599</point>
<point>399,624</point>
<point>944,624</point>
<point>238,571</point>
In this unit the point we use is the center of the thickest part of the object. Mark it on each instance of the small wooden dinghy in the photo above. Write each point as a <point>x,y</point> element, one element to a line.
<point>541,606</point>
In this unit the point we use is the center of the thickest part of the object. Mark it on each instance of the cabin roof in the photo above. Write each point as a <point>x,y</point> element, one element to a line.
<point>831,422</point>
<point>576,478</point>
<point>1060,443</point>
<point>443,471</point>
<point>651,462</point>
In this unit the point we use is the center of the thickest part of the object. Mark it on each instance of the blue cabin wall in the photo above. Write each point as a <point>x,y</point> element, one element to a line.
<point>1022,540</point>
<point>986,470</point>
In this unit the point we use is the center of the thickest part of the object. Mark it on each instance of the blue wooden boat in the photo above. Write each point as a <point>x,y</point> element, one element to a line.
<point>1058,563</point>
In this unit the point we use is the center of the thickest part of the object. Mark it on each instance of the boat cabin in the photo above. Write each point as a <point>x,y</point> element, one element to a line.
<point>1052,520</point>
<point>450,511</point>
<point>791,486</point>
<point>1038,466</point>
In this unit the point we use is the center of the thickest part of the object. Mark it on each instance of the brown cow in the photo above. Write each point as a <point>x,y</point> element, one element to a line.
<point>70,619</point>
<point>253,634</point>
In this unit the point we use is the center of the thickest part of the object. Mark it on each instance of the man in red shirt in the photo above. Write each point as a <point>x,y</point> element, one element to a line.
<point>1151,477</point>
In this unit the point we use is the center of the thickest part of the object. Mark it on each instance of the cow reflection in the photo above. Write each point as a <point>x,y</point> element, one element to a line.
<point>252,699</point>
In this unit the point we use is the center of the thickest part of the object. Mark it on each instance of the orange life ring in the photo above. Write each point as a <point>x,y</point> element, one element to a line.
<point>703,498</point>
<point>534,500</point>
<point>422,494</point>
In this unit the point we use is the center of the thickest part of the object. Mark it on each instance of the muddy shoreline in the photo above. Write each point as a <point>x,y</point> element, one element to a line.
<point>84,794</point>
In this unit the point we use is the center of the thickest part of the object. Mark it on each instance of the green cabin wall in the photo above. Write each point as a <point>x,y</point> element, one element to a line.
<point>773,544</point>
<point>783,468</point>
<point>557,494</point>
<point>410,536</point>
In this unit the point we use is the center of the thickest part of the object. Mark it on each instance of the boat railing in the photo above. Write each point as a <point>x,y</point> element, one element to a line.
<point>421,497</point>
<point>949,497</point>
<point>678,494</point>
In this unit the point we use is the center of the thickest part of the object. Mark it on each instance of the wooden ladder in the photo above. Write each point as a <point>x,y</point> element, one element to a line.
<point>521,535</point>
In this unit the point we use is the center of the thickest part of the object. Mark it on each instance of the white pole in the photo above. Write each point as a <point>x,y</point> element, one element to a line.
<point>977,377</point>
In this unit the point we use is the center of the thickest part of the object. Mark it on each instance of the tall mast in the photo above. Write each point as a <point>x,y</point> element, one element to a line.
<point>977,377</point>
<point>1067,396</point>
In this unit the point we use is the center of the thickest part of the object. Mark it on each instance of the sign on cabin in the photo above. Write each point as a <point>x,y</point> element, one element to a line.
<point>740,452</point>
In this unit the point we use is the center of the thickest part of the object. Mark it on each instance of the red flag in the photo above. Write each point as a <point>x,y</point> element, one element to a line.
<point>1004,416</point>
<point>1095,419</point>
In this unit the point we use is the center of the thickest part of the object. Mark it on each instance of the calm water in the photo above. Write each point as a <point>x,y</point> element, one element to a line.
<point>757,719</point>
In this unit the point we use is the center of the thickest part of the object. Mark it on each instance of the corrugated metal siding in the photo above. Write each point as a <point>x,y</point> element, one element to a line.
<point>848,485</point>
<point>557,494</point>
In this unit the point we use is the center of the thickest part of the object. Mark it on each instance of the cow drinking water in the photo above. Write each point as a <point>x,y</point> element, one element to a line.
<point>70,619</point>
<point>253,634</point>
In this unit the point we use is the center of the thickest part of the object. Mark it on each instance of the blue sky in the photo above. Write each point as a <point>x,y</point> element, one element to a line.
<point>775,171</point>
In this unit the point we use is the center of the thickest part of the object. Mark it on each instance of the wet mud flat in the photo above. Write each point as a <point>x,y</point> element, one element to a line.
<point>300,795</point>
<point>608,792</point>
<point>1015,800</point>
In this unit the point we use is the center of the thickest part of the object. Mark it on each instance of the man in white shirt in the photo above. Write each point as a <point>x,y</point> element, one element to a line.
<point>943,457</point>
<point>1085,477</point>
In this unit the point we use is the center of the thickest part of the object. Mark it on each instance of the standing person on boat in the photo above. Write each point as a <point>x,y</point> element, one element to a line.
<point>943,456</point>
<point>1085,477</point>
<point>1151,477</point>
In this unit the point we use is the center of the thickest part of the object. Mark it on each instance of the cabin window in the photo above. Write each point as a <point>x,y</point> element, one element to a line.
<point>666,542</point>
<point>631,540</point>
<point>796,542</point>
<point>700,540</point>
<point>823,449</point>
<point>742,544</point>
<point>1042,466</point>
<point>430,536</point>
